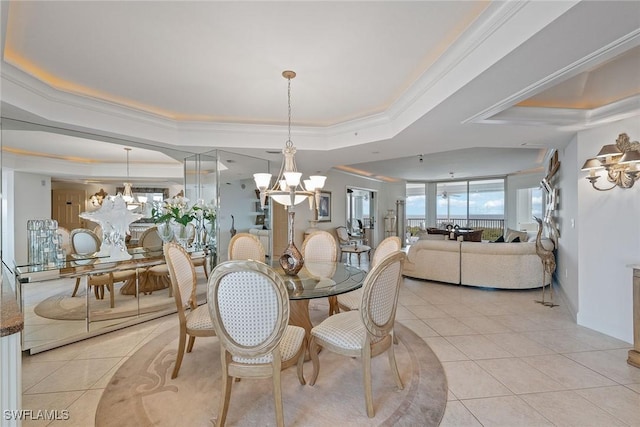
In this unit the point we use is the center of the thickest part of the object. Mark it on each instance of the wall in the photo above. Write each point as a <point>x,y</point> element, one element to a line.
<point>237,198</point>
<point>513,183</point>
<point>31,200</point>
<point>568,250</point>
<point>608,239</point>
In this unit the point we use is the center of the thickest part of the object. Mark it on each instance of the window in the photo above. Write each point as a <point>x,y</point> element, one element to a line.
<point>416,207</point>
<point>530,203</point>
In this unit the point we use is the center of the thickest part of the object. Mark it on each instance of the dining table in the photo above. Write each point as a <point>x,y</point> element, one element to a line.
<point>317,279</point>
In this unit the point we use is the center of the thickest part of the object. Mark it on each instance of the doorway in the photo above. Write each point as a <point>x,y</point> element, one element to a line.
<point>361,208</point>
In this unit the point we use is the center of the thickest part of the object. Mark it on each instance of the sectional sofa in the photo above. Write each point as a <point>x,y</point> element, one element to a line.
<point>485,264</point>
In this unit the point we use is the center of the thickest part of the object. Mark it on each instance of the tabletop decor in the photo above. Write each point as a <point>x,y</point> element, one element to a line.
<point>205,216</point>
<point>114,217</point>
<point>172,218</point>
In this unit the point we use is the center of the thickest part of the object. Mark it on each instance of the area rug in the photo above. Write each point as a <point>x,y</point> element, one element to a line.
<point>142,393</point>
<point>63,306</point>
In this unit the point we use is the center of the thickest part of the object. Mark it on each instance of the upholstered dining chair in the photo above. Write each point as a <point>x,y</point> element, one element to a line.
<point>194,320</point>
<point>367,332</point>
<point>86,242</point>
<point>244,246</point>
<point>155,277</point>
<point>249,305</point>
<point>321,246</point>
<point>349,245</point>
<point>351,300</point>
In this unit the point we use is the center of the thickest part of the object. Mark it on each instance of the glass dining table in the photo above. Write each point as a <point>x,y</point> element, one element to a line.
<point>317,280</point>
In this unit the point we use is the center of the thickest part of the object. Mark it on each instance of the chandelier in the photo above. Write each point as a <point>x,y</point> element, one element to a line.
<point>619,160</point>
<point>287,188</point>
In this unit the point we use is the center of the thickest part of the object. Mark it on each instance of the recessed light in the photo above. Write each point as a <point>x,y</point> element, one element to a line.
<point>273,152</point>
<point>375,152</point>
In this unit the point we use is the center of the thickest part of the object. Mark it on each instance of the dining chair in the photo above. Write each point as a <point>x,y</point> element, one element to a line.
<point>86,242</point>
<point>349,245</point>
<point>245,246</point>
<point>155,277</point>
<point>249,305</point>
<point>367,332</point>
<point>194,320</point>
<point>351,300</point>
<point>65,239</point>
<point>321,246</point>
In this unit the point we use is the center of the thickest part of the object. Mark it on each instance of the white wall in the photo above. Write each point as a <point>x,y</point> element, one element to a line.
<point>608,240</point>
<point>513,183</point>
<point>239,202</point>
<point>31,200</point>
<point>568,250</point>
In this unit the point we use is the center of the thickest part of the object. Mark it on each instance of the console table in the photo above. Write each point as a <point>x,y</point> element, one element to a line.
<point>634,354</point>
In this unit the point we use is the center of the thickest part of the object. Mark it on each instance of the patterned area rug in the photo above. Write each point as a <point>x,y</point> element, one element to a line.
<point>142,393</point>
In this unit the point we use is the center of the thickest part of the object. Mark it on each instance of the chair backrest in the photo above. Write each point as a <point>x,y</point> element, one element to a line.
<point>343,235</point>
<point>150,239</point>
<point>84,241</point>
<point>99,232</point>
<point>380,295</point>
<point>65,239</point>
<point>183,276</point>
<point>320,246</point>
<point>244,246</point>
<point>388,246</point>
<point>249,307</point>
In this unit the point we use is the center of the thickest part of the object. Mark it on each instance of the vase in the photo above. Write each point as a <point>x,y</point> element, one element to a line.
<point>291,259</point>
<point>165,231</point>
<point>183,234</point>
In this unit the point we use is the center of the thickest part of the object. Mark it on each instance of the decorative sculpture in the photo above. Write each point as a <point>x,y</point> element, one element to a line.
<point>233,227</point>
<point>548,264</point>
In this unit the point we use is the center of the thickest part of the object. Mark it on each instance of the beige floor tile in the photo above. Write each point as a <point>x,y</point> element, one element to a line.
<point>409,298</point>
<point>446,326</point>
<point>483,324</point>
<point>505,411</point>
<point>427,311</point>
<point>634,387</point>
<point>618,401</point>
<point>451,396</point>
<point>567,408</point>
<point>519,345</point>
<point>75,375</point>
<point>457,310</point>
<point>82,413</point>
<point>519,377</point>
<point>610,363</point>
<point>402,313</point>
<point>34,372</point>
<point>467,380</point>
<point>419,327</point>
<point>567,372</point>
<point>56,403</point>
<point>560,341</point>
<point>457,415</point>
<point>444,350</point>
<point>478,347</point>
<point>517,323</point>
<point>493,309</point>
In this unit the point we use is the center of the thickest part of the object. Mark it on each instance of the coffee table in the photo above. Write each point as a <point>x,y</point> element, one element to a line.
<point>356,249</point>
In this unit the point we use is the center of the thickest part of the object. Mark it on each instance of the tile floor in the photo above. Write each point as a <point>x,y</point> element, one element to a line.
<point>508,360</point>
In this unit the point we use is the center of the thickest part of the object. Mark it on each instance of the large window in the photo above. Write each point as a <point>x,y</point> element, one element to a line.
<point>530,203</point>
<point>474,204</point>
<point>416,206</point>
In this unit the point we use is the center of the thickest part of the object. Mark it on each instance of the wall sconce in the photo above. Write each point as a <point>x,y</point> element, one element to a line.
<point>620,160</point>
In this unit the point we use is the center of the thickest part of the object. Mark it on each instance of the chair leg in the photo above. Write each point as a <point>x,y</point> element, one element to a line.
<point>181,342</point>
<point>366,375</point>
<point>313,353</point>
<point>75,290</point>
<point>277,397</point>
<point>394,367</point>
<point>112,298</point>
<point>192,340</point>
<point>333,305</point>
<point>300,367</point>
<point>227,381</point>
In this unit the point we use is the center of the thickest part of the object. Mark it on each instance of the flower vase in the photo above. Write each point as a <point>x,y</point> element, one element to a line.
<point>198,239</point>
<point>210,232</point>
<point>165,231</point>
<point>183,234</point>
<point>291,259</point>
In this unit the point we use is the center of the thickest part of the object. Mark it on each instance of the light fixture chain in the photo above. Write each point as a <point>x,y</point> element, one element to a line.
<point>289,142</point>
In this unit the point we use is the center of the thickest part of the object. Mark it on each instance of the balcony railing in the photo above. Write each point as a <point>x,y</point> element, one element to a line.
<point>493,228</point>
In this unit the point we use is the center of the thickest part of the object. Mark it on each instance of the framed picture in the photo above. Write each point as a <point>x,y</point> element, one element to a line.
<point>260,220</point>
<point>324,209</point>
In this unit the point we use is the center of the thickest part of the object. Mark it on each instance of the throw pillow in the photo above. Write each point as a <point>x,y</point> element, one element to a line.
<point>516,240</point>
<point>512,234</point>
<point>499,240</point>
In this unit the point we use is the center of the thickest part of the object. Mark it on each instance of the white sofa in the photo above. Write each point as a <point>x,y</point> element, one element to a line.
<point>485,264</point>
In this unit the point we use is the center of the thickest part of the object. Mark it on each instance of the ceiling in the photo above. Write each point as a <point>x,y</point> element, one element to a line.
<point>475,88</point>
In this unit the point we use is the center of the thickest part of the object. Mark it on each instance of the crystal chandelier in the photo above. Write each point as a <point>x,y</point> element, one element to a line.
<point>287,188</point>
<point>619,160</point>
